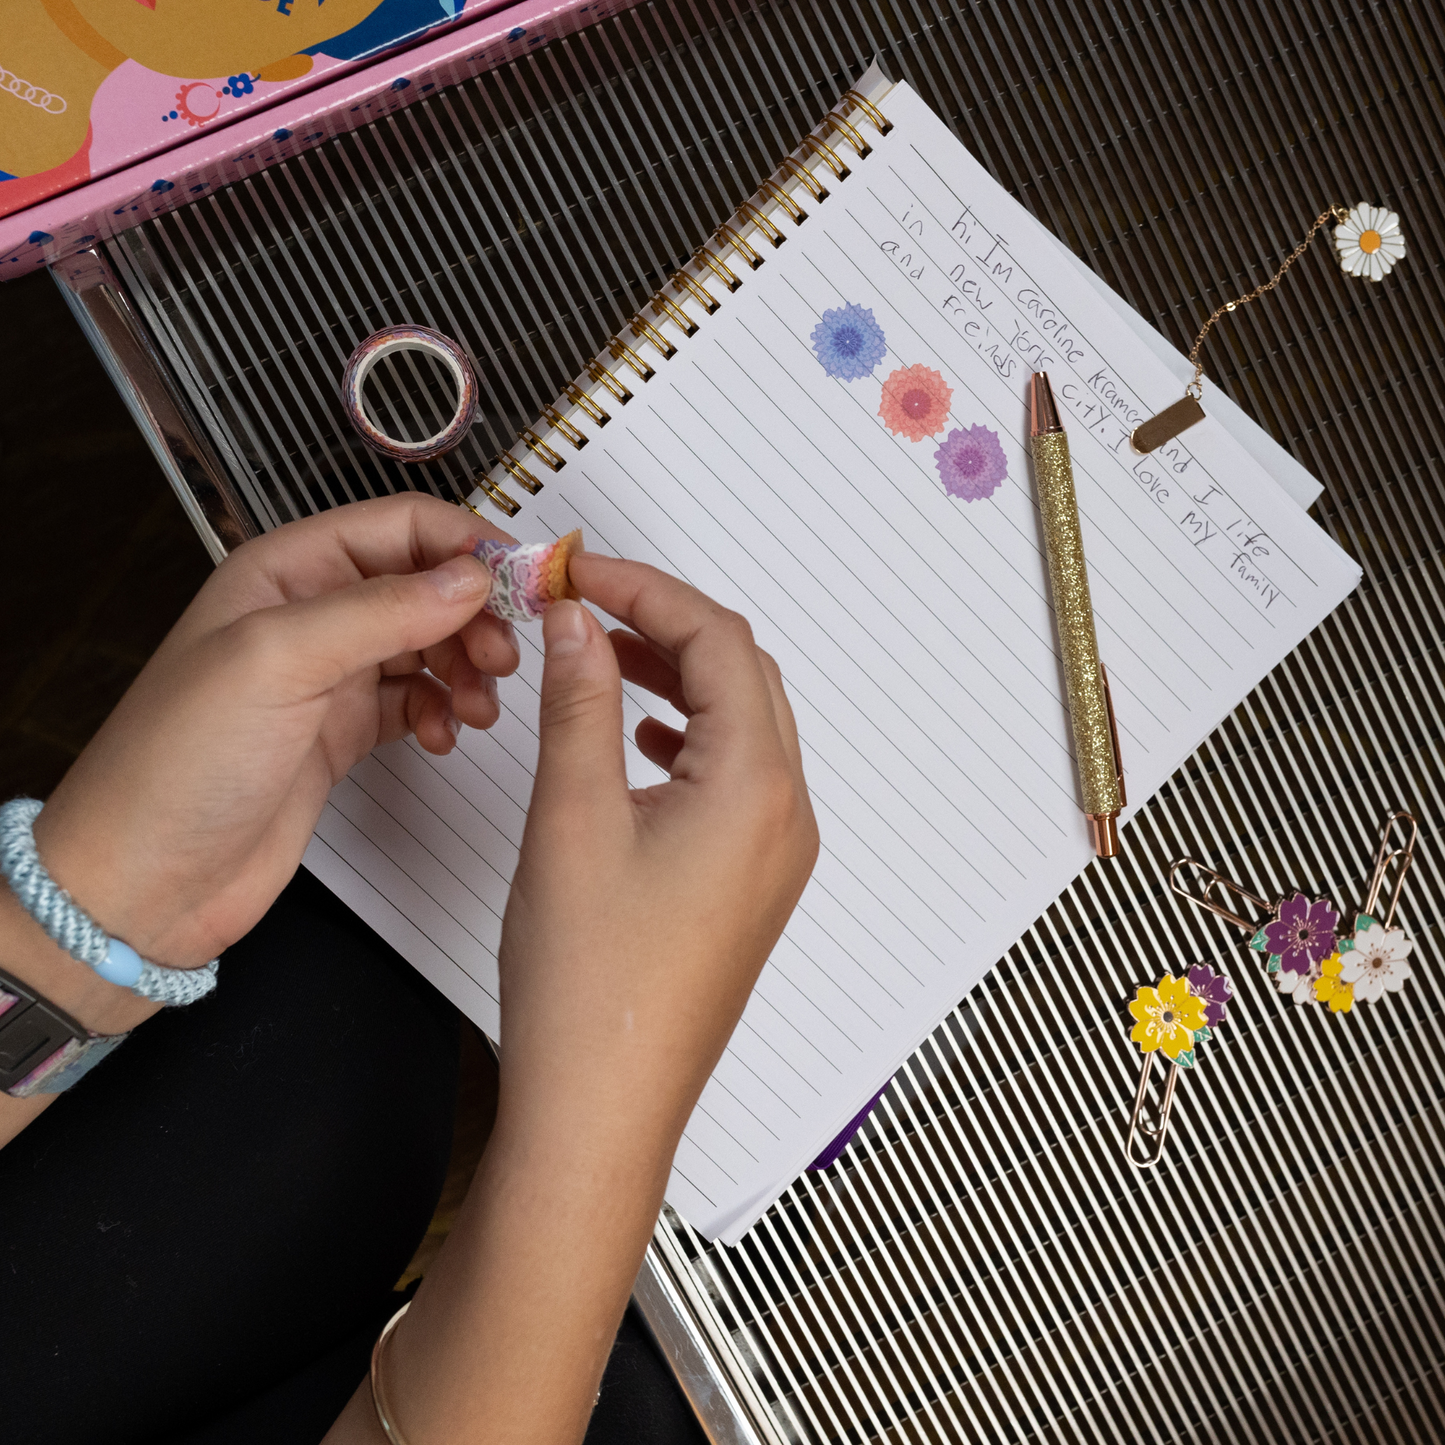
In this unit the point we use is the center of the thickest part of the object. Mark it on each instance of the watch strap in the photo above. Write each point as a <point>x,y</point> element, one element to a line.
<point>42,1049</point>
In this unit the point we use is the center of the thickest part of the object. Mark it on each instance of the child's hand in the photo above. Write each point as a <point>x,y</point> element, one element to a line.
<point>638,921</point>
<point>190,809</point>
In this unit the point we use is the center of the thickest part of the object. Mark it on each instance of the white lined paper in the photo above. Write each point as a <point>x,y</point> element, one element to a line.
<point>913,632</point>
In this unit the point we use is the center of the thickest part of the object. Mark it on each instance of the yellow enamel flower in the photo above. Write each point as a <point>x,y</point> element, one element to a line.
<point>1369,242</point>
<point>1330,988</point>
<point>1167,1017</point>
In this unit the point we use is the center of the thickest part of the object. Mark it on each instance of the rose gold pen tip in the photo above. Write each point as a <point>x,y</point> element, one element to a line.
<point>1043,414</point>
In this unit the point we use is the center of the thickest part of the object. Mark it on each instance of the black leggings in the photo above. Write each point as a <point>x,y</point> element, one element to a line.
<point>198,1243</point>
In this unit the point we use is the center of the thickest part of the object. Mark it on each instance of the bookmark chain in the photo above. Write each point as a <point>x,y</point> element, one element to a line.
<point>1330,213</point>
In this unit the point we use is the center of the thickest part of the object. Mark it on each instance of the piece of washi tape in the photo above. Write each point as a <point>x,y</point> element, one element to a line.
<point>409,338</point>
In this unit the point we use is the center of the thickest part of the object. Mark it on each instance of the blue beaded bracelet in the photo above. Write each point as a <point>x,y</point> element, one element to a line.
<point>75,930</point>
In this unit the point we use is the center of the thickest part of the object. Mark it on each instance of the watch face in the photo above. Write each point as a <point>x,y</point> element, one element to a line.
<point>42,1049</point>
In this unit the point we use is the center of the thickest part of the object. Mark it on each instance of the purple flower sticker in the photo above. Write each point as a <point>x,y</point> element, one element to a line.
<point>849,342</point>
<point>971,463</point>
<point>1214,989</point>
<point>1301,934</point>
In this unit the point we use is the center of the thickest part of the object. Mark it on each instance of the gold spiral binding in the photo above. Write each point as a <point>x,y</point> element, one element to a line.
<point>494,494</point>
<point>723,272</point>
<point>603,377</point>
<point>881,123</point>
<point>850,133</point>
<point>558,422</point>
<point>664,307</point>
<point>743,249</point>
<point>587,404</point>
<point>827,155</point>
<point>520,474</point>
<point>621,351</point>
<point>645,329</point>
<point>661,306</point>
<point>805,177</point>
<point>700,294</point>
<point>786,201</point>
<point>762,223</point>
<point>550,458</point>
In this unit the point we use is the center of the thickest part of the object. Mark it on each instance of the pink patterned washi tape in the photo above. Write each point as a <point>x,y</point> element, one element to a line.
<point>409,338</point>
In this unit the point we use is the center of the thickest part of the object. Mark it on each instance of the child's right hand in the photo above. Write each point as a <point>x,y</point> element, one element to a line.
<point>639,920</point>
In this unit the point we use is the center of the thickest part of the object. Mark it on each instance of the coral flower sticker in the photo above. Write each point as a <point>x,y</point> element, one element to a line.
<point>849,342</point>
<point>1167,1018</point>
<point>915,402</point>
<point>971,463</point>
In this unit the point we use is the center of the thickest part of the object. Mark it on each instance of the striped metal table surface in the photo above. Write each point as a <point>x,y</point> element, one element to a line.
<point>983,1264</point>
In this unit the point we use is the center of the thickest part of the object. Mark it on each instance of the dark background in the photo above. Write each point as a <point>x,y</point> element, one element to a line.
<point>97,559</point>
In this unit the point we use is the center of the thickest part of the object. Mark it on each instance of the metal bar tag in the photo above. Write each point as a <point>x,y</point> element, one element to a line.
<point>1167,425</point>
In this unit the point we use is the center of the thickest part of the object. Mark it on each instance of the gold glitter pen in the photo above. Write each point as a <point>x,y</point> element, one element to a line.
<point>1096,739</point>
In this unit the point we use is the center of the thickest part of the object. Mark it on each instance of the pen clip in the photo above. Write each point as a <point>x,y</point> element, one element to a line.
<point>1114,735</point>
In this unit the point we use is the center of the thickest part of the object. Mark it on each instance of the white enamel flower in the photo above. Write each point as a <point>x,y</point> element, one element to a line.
<point>1369,242</point>
<point>1298,986</point>
<point>1378,963</point>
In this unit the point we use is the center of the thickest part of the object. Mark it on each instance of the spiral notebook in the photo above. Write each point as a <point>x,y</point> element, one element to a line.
<point>820,421</point>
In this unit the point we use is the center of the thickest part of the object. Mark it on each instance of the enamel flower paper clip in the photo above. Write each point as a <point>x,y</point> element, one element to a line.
<point>1173,1018</point>
<point>1368,242</point>
<point>1310,959</point>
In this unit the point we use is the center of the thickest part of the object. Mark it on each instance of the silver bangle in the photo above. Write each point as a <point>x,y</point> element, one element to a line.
<point>384,1416</point>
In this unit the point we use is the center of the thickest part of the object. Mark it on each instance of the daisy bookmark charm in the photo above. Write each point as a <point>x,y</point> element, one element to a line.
<point>1368,241</point>
<point>1171,1020</point>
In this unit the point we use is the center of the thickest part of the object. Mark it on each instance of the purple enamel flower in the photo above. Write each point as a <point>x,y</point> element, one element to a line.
<point>1214,989</point>
<point>849,342</point>
<point>971,463</point>
<point>1302,934</point>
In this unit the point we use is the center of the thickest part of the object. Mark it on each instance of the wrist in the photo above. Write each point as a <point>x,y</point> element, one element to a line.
<point>26,952</point>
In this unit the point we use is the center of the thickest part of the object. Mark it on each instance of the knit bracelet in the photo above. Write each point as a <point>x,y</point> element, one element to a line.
<point>75,930</point>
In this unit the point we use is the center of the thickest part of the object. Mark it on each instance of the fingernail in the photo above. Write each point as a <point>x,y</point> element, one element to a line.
<point>564,629</point>
<point>462,579</point>
<point>454,724</point>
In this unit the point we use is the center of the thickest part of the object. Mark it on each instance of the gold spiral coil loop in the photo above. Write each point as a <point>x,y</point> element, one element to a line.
<point>881,123</point>
<point>558,422</point>
<point>495,495</point>
<point>850,134</point>
<point>648,332</point>
<point>520,474</point>
<point>661,306</point>
<point>723,272</point>
<point>605,378</point>
<point>762,223</point>
<point>621,351</point>
<point>806,178</point>
<point>699,293</point>
<point>588,405</point>
<point>830,158</point>
<point>550,458</point>
<point>741,247</point>
<point>786,201</point>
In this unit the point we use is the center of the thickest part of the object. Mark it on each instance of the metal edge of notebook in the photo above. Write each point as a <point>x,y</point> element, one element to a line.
<point>98,301</point>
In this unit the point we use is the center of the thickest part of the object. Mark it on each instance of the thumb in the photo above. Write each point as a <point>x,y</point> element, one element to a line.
<point>319,641</point>
<point>580,756</point>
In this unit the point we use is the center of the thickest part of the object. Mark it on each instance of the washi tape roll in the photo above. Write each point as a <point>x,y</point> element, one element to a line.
<point>410,338</point>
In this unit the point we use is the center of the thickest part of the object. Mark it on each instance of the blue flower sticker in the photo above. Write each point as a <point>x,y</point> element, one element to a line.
<point>849,342</point>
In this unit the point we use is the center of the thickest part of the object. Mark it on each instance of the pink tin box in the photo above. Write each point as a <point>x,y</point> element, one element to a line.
<point>104,121</point>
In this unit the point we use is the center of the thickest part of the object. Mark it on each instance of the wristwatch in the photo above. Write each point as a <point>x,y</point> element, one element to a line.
<point>42,1049</point>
